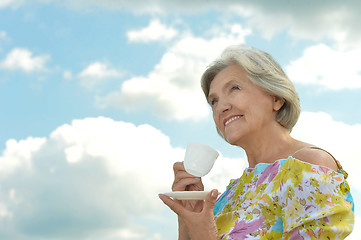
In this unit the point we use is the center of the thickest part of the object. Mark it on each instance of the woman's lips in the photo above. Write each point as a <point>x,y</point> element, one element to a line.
<point>231,119</point>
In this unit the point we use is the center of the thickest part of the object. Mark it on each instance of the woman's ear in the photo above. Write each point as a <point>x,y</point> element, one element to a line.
<point>278,102</point>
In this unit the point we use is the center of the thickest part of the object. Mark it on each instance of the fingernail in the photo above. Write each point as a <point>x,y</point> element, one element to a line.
<point>214,193</point>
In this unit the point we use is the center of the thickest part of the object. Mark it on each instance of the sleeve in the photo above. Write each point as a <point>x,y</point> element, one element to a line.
<point>315,203</point>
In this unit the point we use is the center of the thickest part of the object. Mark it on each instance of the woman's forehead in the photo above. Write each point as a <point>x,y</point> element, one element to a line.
<point>232,74</point>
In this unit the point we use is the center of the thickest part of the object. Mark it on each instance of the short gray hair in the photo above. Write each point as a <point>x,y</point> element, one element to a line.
<point>265,73</point>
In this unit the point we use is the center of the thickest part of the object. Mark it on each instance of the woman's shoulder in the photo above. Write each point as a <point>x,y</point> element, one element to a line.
<point>316,156</point>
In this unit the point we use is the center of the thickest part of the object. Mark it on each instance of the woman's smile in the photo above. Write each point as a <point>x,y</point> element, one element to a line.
<point>230,119</point>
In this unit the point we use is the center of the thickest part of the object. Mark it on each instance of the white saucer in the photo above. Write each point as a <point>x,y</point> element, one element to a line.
<point>188,195</point>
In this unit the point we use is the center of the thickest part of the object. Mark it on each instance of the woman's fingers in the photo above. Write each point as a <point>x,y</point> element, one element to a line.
<point>207,206</point>
<point>181,184</point>
<point>184,181</point>
<point>178,166</point>
<point>175,206</point>
<point>210,201</point>
<point>183,174</point>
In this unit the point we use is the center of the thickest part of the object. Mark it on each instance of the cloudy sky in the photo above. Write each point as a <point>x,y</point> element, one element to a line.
<point>98,98</point>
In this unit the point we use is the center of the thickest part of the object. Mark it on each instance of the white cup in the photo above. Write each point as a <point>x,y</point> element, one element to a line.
<point>199,159</point>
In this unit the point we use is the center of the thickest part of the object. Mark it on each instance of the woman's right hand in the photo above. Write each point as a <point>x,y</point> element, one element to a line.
<point>184,181</point>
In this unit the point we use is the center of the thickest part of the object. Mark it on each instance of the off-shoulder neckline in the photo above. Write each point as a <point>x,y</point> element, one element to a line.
<point>266,165</point>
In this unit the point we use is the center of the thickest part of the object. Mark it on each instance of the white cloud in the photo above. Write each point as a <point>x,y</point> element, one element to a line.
<point>19,154</point>
<point>96,73</point>
<point>172,89</point>
<point>155,31</point>
<point>98,70</point>
<point>23,59</point>
<point>90,178</point>
<point>331,69</point>
<point>10,3</point>
<point>340,139</point>
<point>223,171</point>
<point>97,177</point>
<point>356,233</point>
<point>94,178</point>
<point>334,20</point>
<point>137,6</point>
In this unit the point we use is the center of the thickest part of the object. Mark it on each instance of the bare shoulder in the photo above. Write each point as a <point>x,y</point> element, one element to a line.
<point>317,156</point>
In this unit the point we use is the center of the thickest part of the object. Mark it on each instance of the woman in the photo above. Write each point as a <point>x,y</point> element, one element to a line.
<point>291,189</point>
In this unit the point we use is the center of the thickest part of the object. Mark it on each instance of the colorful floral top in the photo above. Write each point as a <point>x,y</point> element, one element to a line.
<point>288,199</point>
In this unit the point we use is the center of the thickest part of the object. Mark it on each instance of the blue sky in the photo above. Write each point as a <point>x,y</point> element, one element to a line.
<point>99,98</point>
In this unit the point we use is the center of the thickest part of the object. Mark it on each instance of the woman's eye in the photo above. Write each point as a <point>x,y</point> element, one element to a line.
<point>235,87</point>
<point>213,102</point>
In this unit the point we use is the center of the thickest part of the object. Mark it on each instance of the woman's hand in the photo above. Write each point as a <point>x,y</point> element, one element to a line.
<point>199,225</point>
<point>184,181</point>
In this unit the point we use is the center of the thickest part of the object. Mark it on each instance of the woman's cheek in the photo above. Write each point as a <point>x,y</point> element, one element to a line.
<point>217,122</point>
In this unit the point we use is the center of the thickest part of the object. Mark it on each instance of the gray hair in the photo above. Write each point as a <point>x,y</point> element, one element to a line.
<point>263,71</point>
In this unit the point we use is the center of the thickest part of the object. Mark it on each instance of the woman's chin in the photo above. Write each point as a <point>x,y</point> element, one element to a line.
<point>235,137</point>
<point>232,140</point>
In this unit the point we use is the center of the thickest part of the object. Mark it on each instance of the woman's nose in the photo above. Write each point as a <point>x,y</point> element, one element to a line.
<point>223,106</point>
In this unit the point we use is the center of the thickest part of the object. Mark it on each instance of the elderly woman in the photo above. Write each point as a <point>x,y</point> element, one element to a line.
<point>291,189</point>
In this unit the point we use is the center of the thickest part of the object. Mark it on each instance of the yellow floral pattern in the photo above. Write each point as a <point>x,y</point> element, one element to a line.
<point>288,199</point>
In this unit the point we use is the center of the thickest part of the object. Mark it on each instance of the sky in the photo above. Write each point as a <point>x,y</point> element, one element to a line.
<point>98,99</point>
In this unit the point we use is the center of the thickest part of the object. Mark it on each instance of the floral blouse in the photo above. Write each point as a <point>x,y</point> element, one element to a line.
<point>288,199</point>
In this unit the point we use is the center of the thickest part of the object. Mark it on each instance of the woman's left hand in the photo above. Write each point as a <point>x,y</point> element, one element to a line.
<point>200,225</point>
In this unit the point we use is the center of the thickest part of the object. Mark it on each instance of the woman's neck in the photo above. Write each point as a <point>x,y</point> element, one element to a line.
<point>269,146</point>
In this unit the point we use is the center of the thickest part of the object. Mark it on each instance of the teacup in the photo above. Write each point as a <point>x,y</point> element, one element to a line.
<point>199,159</point>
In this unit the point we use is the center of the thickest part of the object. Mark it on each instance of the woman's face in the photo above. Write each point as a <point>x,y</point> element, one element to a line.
<point>241,110</point>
